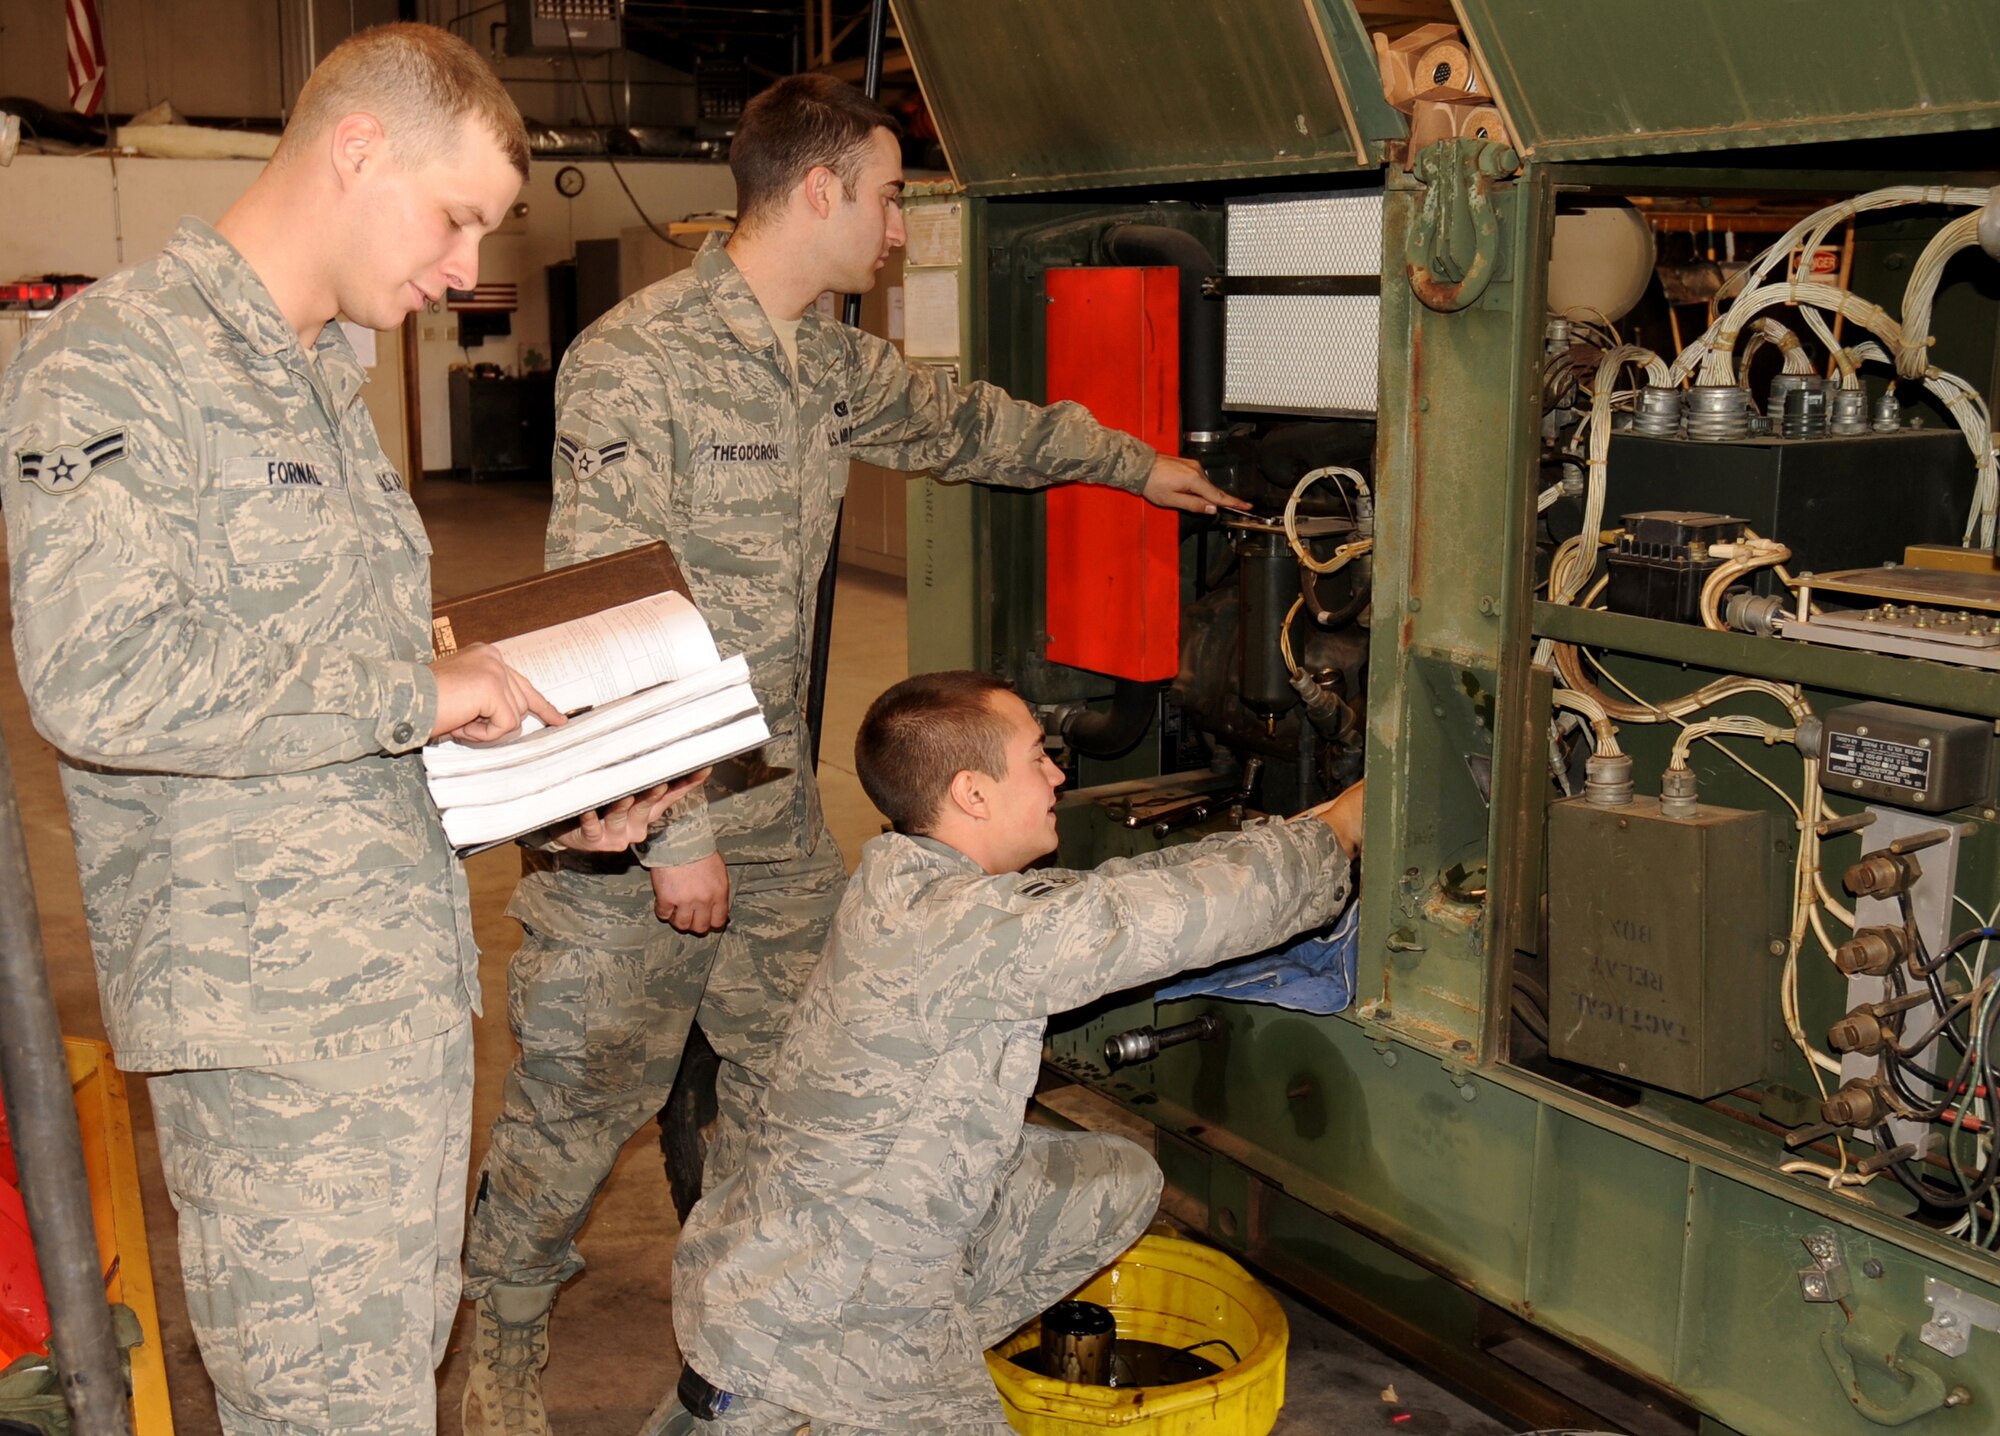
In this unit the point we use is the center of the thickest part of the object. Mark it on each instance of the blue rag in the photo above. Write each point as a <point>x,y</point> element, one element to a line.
<point>1313,974</point>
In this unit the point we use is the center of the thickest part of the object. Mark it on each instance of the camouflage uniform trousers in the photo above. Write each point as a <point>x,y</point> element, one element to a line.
<point>322,1205</point>
<point>1067,1206</point>
<point>601,1010</point>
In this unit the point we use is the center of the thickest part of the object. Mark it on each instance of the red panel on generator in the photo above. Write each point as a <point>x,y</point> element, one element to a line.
<point>1114,559</point>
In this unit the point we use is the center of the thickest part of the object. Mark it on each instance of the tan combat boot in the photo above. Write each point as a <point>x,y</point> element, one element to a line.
<point>510,1346</point>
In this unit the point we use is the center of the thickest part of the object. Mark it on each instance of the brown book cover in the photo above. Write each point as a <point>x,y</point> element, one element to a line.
<point>558,596</point>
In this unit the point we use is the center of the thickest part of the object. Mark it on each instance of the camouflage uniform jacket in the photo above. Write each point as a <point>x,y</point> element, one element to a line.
<point>678,419</point>
<point>221,598</point>
<point>826,1274</point>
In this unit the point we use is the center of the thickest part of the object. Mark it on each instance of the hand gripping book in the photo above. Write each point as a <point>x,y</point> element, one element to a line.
<point>618,645</point>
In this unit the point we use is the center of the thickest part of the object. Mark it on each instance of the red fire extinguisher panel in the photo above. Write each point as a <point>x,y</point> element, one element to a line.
<point>1113,558</point>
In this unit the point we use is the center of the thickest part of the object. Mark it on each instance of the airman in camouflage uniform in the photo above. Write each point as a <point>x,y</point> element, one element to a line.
<point>740,467</point>
<point>681,416</point>
<point>893,1218</point>
<point>221,595</point>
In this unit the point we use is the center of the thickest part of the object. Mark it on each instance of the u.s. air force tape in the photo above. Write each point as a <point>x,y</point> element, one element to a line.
<point>62,471</point>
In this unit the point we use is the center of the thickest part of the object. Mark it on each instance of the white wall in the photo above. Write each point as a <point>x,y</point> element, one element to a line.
<point>523,250</point>
<point>59,218</point>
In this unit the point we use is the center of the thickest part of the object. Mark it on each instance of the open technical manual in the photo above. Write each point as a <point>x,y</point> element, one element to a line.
<point>649,699</point>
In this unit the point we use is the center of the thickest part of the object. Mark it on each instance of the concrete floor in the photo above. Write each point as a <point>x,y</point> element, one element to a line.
<point>612,1343</point>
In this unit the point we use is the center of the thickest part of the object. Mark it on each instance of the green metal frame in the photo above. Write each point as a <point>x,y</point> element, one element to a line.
<point>1660,1238</point>
<point>1899,680</point>
<point>1033,97</point>
<point>1458,409</point>
<point>946,567</point>
<point>1397,1159</point>
<point>1581,79</point>
<point>1661,1252</point>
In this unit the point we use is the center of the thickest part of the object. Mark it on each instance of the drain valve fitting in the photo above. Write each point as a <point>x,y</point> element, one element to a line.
<point>1143,1044</point>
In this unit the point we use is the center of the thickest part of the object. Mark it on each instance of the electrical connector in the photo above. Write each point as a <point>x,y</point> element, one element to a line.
<point>1872,951</point>
<point>1607,780</point>
<point>1863,1102</point>
<point>1680,795</point>
<point>1860,1031</point>
<point>1883,874</point>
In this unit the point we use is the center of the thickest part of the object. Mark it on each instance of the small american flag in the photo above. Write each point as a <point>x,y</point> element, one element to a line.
<point>86,56</point>
<point>482,299</point>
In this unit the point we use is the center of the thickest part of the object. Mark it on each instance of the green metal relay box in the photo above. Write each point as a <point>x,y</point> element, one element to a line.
<point>1660,962</point>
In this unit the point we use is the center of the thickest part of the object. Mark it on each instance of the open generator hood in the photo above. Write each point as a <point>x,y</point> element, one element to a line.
<point>1032,97</point>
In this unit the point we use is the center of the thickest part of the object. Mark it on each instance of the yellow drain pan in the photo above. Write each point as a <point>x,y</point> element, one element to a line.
<point>1176,1293</point>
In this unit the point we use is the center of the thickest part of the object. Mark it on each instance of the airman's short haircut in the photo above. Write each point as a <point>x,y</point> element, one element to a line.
<point>420,83</point>
<point>801,122</point>
<point>921,734</point>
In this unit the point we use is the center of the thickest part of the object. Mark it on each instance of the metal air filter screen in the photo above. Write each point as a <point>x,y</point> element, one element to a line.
<point>1306,353</point>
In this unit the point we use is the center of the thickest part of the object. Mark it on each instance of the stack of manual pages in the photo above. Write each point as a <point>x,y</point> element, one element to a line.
<point>650,700</point>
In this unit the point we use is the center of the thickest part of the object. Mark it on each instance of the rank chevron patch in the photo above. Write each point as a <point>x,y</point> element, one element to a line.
<point>62,471</point>
<point>583,460</point>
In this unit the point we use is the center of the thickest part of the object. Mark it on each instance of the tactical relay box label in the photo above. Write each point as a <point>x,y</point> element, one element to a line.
<point>1879,760</point>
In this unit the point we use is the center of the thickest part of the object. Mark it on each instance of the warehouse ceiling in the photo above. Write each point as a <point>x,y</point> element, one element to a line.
<point>766,40</point>
<point>735,48</point>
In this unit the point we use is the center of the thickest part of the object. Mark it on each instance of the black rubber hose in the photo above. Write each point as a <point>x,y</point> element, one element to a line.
<point>1117,728</point>
<point>41,1115</point>
<point>1201,319</point>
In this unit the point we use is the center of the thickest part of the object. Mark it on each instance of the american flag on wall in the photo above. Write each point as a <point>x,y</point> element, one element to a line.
<point>482,299</point>
<point>86,56</point>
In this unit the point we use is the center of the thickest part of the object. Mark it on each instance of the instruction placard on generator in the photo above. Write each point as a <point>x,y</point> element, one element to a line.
<point>1879,760</point>
<point>1907,757</point>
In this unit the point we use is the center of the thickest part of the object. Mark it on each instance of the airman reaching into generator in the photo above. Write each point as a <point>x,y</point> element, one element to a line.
<point>892,1217</point>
